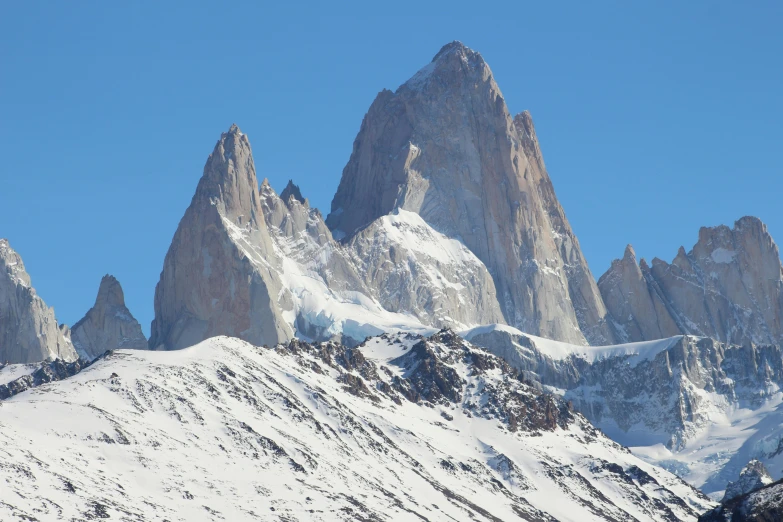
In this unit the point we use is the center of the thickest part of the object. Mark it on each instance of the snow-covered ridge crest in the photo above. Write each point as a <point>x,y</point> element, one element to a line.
<point>694,405</point>
<point>396,274</point>
<point>402,427</point>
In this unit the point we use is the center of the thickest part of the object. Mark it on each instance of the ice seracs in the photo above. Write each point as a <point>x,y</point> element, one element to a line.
<point>108,325</point>
<point>28,329</point>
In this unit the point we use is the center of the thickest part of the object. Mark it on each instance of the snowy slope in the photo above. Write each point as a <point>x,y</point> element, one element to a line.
<point>700,408</point>
<point>633,353</point>
<point>396,274</point>
<point>398,429</point>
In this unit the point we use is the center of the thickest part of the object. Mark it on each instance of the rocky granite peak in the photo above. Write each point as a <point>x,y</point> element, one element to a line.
<point>28,329</point>
<point>292,190</point>
<point>229,179</point>
<point>445,147</point>
<point>108,325</point>
<point>728,287</point>
<point>221,273</point>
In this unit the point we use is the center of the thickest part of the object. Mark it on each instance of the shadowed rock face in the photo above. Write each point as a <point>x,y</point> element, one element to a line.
<point>221,273</point>
<point>760,505</point>
<point>754,476</point>
<point>727,288</point>
<point>28,329</point>
<point>108,325</point>
<point>445,147</point>
<point>292,190</point>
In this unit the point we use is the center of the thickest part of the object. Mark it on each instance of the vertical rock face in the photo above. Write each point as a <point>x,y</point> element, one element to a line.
<point>28,329</point>
<point>221,273</point>
<point>445,147</point>
<point>635,301</point>
<point>727,288</point>
<point>108,325</point>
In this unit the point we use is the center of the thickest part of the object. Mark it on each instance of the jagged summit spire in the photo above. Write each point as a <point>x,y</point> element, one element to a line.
<point>451,65</point>
<point>220,274</point>
<point>455,47</point>
<point>108,325</point>
<point>292,190</point>
<point>110,292</point>
<point>445,146</point>
<point>229,180</point>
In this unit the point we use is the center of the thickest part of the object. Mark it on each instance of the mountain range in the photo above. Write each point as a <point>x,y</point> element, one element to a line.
<point>439,327</point>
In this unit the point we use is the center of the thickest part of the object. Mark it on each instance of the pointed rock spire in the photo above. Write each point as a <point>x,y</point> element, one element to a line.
<point>108,325</point>
<point>28,329</point>
<point>221,273</point>
<point>292,190</point>
<point>229,179</point>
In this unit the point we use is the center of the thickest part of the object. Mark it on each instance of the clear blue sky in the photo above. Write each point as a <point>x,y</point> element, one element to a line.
<point>655,118</point>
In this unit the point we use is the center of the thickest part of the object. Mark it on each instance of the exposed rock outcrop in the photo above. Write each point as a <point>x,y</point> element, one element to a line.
<point>45,372</point>
<point>683,393</point>
<point>108,325</point>
<point>444,146</point>
<point>292,190</point>
<point>728,287</point>
<point>752,477</point>
<point>221,273</point>
<point>761,505</point>
<point>28,329</point>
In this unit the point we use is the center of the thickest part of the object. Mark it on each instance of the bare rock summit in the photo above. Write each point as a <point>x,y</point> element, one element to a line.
<point>108,325</point>
<point>221,273</point>
<point>445,147</point>
<point>729,287</point>
<point>28,329</point>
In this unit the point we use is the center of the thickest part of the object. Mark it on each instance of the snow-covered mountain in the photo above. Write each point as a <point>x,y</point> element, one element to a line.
<point>400,428</point>
<point>701,408</point>
<point>445,217</point>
